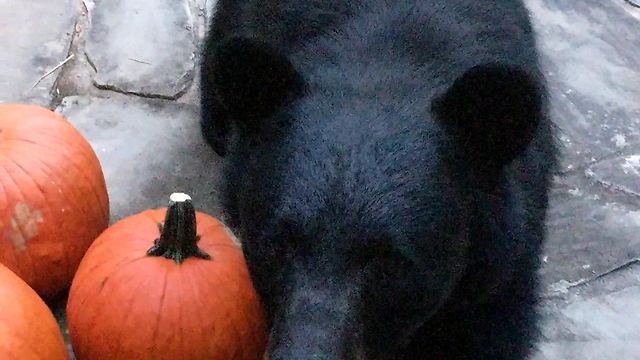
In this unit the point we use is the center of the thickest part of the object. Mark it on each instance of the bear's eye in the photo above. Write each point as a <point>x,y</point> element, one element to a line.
<point>378,257</point>
<point>288,238</point>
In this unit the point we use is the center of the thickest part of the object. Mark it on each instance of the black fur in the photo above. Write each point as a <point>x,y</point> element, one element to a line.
<point>387,167</point>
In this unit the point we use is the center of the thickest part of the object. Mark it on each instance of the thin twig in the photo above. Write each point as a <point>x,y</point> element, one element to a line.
<point>88,5</point>
<point>634,3</point>
<point>140,61</point>
<point>52,70</point>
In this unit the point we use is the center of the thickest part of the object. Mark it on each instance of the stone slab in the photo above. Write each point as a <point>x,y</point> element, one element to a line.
<point>598,320</point>
<point>591,58</point>
<point>148,149</point>
<point>35,37</point>
<point>619,173</point>
<point>591,53</point>
<point>591,230</point>
<point>144,47</point>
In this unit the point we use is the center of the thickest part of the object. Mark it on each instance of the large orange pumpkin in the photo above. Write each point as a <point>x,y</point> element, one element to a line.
<point>53,199</point>
<point>28,330</point>
<point>182,296</point>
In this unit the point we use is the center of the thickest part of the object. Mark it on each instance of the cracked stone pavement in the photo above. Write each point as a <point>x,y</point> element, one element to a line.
<point>129,83</point>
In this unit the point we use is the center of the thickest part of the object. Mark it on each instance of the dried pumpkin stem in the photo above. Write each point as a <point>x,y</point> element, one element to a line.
<point>178,239</point>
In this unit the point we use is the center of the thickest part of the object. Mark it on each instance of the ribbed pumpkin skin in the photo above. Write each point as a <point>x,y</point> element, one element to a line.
<point>28,330</point>
<point>124,304</point>
<point>53,198</point>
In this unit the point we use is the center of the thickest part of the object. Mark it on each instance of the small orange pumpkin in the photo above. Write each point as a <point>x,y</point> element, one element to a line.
<point>53,198</point>
<point>28,330</point>
<point>144,293</point>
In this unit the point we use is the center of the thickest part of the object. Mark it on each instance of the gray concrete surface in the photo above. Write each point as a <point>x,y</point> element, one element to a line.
<point>591,279</point>
<point>146,146</point>
<point>596,320</point>
<point>144,47</point>
<point>150,147</point>
<point>30,49</point>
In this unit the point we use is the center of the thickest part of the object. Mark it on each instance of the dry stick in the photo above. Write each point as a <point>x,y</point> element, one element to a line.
<point>634,3</point>
<point>52,70</point>
<point>88,5</point>
<point>140,61</point>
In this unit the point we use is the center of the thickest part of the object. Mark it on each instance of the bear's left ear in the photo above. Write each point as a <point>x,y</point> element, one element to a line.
<point>252,79</point>
<point>493,112</point>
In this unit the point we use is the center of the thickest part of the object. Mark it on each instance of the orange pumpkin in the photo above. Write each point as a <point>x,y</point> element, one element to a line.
<point>53,199</point>
<point>28,330</point>
<point>147,293</point>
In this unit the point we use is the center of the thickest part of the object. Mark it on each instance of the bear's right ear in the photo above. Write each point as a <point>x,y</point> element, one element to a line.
<point>251,79</point>
<point>493,110</point>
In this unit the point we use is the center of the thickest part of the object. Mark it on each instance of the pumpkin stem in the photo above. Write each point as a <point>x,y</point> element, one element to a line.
<point>178,239</point>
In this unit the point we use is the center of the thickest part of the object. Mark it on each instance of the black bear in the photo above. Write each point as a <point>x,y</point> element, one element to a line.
<point>387,166</point>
